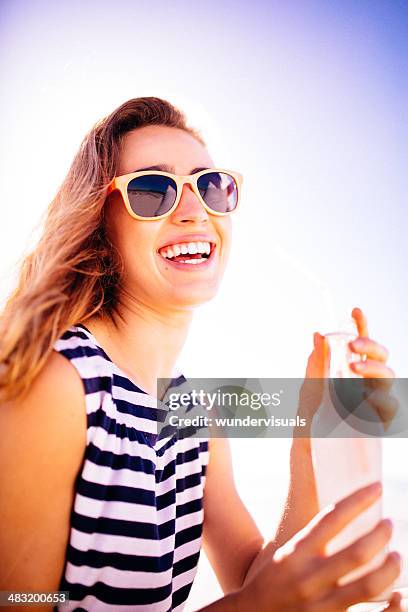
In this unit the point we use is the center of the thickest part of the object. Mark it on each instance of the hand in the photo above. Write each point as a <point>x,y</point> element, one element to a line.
<point>300,576</point>
<point>379,376</point>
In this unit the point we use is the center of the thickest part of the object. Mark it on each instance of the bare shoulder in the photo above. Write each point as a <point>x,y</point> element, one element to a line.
<point>41,451</point>
<point>55,404</point>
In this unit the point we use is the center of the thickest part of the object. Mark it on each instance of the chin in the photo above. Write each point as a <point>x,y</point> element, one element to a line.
<point>193,297</point>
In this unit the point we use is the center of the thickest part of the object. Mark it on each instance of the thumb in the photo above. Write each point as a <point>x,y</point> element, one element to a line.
<point>319,359</point>
<point>311,393</point>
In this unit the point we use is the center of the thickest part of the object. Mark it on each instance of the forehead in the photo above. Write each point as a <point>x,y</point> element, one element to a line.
<point>155,144</point>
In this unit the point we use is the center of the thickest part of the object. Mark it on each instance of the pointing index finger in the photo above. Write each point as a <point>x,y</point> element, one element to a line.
<point>323,528</point>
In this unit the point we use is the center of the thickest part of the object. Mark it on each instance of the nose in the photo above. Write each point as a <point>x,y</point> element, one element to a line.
<point>189,208</point>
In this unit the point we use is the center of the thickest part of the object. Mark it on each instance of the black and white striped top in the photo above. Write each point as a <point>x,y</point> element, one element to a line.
<point>136,521</point>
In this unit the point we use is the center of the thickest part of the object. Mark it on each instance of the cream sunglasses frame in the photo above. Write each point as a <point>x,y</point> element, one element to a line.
<point>120,183</point>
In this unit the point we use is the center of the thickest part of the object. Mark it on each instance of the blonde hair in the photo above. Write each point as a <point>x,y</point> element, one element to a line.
<point>74,271</point>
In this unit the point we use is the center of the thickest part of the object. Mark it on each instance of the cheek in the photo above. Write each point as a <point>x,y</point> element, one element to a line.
<point>134,240</point>
<point>137,249</point>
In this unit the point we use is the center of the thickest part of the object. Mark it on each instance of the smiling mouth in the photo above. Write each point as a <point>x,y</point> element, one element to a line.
<point>191,255</point>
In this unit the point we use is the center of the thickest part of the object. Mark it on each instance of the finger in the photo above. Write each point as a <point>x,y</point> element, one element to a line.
<point>372,369</point>
<point>321,345</point>
<point>361,322</point>
<point>331,520</point>
<point>317,365</point>
<point>370,585</point>
<point>386,405</point>
<point>395,602</point>
<point>372,384</point>
<point>311,392</point>
<point>329,570</point>
<point>366,346</point>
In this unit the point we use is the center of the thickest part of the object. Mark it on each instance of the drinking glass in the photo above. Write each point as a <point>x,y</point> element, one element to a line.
<point>345,460</point>
<point>341,355</point>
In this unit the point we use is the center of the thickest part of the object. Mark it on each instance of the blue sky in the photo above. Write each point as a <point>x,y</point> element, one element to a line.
<point>307,99</point>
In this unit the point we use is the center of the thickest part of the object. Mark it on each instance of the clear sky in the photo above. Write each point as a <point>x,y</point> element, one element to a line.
<point>307,99</point>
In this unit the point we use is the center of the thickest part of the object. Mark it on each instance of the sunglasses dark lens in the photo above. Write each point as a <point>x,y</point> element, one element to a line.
<point>151,195</point>
<point>219,191</point>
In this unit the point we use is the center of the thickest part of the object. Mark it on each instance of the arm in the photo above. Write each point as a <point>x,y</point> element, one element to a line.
<point>300,507</point>
<point>231,538</point>
<point>302,504</point>
<point>41,451</point>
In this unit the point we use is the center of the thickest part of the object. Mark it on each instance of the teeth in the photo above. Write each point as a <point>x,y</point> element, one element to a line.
<point>192,261</point>
<point>182,249</point>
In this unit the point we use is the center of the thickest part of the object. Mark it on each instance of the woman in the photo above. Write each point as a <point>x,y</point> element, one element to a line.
<point>93,501</point>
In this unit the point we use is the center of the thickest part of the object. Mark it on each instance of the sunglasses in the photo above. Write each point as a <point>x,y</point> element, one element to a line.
<point>151,195</point>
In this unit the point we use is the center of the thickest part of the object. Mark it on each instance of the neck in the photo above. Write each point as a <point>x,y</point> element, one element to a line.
<point>142,340</point>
